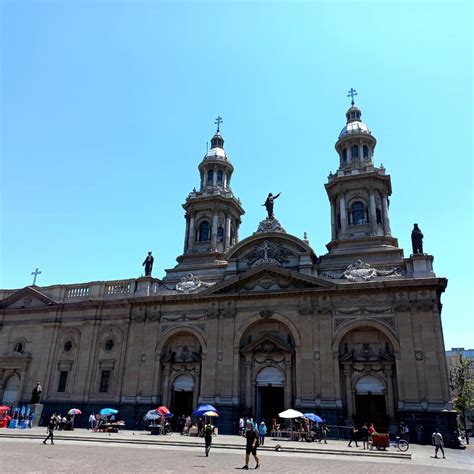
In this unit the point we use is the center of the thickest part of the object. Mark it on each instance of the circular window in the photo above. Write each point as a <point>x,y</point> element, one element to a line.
<point>109,345</point>
<point>67,346</point>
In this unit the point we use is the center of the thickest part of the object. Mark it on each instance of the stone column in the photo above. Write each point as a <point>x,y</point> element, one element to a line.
<point>214,177</point>
<point>361,153</point>
<point>228,224</point>
<point>225,181</point>
<point>248,381</point>
<point>197,387</point>
<point>186,235</point>
<point>288,382</point>
<point>390,400</point>
<point>166,388</point>
<point>191,233</point>
<point>202,180</point>
<point>333,221</point>
<point>342,212</point>
<point>214,231</point>
<point>386,220</point>
<point>347,377</point>
<point>373,213</point>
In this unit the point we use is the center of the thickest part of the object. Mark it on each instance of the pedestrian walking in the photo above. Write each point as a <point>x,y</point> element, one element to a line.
<point>419,433</point>
<point>50,429</point>
<point>208,432</point>
<point>353,436</point>
<point>262,431</point>
<point>251,435</point>
<point>364,434</point>
<point>241,426</point>
<point>91,424</point>
<point>437,439</point>
<point>324,431</point>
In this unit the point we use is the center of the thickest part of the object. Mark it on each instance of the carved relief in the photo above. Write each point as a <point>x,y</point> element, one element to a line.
<point>361,271</point>
<point>190,284</point>
<point>268,252</point>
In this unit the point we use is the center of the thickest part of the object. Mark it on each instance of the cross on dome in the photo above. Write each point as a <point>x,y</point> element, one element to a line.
<point>351,94</point>
<point>218,123</point>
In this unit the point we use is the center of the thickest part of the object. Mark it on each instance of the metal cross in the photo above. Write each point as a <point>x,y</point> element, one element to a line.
<point>35,273</point>
<point>218,122</point>
<point>351,94</point>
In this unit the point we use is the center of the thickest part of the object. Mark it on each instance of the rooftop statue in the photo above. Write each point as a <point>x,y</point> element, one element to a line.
<point>269,204</point>
<point>148,264</point>
<point>417,239</point>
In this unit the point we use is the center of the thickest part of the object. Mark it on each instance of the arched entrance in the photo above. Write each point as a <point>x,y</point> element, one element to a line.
<point>182,395</point>
<point>10,394</point>
<point>270,392</point>
<point>367,361</point>
<point>181,361</point>
<point>266,368</point>
<point>370,406</point>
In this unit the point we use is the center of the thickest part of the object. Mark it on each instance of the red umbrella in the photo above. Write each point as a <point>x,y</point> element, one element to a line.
<point>4,408</point>
<point>162,410</point>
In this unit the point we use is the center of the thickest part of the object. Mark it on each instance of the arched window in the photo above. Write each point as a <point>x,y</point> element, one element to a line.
<point>355,151</point>
<point>344,155</point>
<point>220,234</point>
<point>18,347</point>
<point>365,152</point>
<point>210,176</point>
<point>358,213</point>
<point>220,176</point>
<point>10,393</point>
<point>203,232</point>
<point>378,215</point>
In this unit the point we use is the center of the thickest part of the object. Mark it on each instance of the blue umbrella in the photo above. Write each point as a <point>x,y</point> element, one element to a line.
<point>108,411</point>
<point>201,409</point>
<point>313,417</point>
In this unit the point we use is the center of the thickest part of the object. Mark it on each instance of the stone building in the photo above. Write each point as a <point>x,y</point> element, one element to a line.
<point>253,326</point>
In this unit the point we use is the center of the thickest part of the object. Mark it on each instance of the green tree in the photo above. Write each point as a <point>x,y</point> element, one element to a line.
<point>462,385</point>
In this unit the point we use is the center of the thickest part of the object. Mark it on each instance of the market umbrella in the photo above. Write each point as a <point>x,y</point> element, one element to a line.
<point>152,415</point>
<point>163,411</point>
<point>313,417</point>
<point>201,409</point>
<point>210,413</point>
<point>290,413</point>
<point>108,411</point>
<point>4,408</point>
<point>74,411</point>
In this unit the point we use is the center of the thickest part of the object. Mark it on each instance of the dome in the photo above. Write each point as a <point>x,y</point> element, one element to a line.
<point>354,127</point>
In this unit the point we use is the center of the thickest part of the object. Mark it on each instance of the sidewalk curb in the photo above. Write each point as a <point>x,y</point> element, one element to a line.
<point>162,442</point>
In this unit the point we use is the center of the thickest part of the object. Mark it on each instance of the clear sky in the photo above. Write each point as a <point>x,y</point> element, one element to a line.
<point>106,108</point>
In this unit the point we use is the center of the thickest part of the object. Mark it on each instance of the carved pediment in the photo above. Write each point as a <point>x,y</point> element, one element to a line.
<point>269,278</point>
<point>28,298</point>
<point>267,344</point>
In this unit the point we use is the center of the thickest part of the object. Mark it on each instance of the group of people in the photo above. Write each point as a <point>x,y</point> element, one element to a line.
<point>363,434</point>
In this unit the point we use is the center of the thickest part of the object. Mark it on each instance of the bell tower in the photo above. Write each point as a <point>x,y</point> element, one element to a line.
<point>212,214</point>
<point>359,192</point>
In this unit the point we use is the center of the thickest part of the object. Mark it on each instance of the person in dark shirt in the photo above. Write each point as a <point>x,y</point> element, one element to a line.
<point>208,432</point>
<point>50,429</point>
<point>251,434</point>
<point>364,434</point>
<point>353,435</point>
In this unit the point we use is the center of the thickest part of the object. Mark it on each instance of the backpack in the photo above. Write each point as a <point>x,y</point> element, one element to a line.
<point>208,430</point>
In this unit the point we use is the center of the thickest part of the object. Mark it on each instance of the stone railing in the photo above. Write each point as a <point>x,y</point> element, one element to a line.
<point>118,288</point>
<point>77,292</point>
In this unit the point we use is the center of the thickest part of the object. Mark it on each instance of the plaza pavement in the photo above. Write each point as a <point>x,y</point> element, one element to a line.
<point>20,448</point>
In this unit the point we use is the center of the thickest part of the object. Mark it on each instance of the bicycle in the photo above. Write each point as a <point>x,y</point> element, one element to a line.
<point>401,443</point>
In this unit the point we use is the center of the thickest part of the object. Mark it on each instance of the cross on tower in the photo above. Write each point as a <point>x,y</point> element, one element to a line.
<point>35,273</point>
<point>218,122</point>
<point>351,94</point>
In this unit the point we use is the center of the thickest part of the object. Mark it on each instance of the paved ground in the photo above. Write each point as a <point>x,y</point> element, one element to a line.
<point>81,454</point>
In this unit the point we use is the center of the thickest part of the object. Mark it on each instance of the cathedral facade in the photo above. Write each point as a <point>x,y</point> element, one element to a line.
<point>254,325</point>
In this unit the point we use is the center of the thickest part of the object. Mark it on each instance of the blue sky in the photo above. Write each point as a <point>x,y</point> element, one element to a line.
<point>106,108</point>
